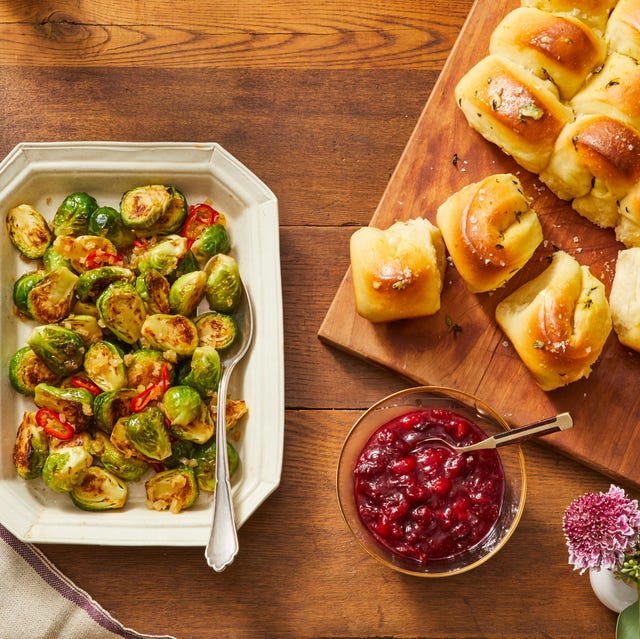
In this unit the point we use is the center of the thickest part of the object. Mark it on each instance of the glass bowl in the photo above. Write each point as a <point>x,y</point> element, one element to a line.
<point>470,408</point>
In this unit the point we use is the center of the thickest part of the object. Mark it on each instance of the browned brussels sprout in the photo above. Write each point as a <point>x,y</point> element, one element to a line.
<point>67,464</point>
<point>175,489</point>
<point>122,311</point>
<point>61,350</point>
<point>27,370</point>
<point>224,287</point>
<point>28,231</point>
<point>175,333</point>
<point>31,448</point>
<point>142,206</point>
<point>72,216</point>
<point>153,288</point>
<point>51,298</point>
<point>76,404</point>
<point>99,489</point>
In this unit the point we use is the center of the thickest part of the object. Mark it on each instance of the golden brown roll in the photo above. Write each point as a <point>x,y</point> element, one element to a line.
<point>513,108</point>
<point>623,28</point>
<point>558,322</point>
<point>624,298</point>
<point>398,272</point>
<point>490,230</point>
<point>561,48</point>
<point>595,162</point>
<point>628,225</point>
<point>594,12</point>
<point>614,91</point>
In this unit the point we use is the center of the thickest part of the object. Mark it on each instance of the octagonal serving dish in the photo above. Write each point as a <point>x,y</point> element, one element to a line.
<point>42,174</point>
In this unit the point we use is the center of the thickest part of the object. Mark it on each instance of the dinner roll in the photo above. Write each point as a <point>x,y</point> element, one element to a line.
<point>623,28</point>
<point>490,230</point>
<point>558,322</point>
<point>398,272</point>
<point>593,12</point>
<point>628,225</point>
<point>561,48</point>
<point>595,162</point>
<point>513,108</point>
<point>624,298</point>
<point>614,91</point>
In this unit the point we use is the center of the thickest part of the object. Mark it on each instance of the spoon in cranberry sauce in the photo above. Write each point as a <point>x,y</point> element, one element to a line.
<point>547,426</point>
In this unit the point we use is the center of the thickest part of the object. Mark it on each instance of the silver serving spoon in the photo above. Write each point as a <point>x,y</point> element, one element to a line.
<point>223,541</point>
<point>562,421</point>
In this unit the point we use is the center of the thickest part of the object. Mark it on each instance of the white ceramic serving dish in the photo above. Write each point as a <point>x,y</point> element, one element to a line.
<point>42,174</point>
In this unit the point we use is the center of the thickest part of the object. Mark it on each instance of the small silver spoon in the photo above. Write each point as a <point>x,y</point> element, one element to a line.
<point>562,421</point>
<point>223,541</point>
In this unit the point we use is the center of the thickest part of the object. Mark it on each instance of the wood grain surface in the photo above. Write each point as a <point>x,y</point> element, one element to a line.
<point>316,106</point>
<point>479,359</point>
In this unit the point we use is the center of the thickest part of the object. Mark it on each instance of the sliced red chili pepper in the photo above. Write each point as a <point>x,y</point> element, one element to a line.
<point>153,391</point>
<point>54,424</point>
<point>81,382</point>
<point>142,399</point>
<point>200,216</point>
<point>102,258</point>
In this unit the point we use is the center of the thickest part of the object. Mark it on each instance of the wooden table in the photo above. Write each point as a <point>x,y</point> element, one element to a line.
<point>318,98</point>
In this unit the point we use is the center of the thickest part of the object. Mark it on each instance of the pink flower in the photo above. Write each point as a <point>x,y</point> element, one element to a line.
<point>600,528</point>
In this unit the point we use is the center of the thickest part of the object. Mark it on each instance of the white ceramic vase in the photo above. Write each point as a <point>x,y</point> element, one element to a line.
<point>614,593</point>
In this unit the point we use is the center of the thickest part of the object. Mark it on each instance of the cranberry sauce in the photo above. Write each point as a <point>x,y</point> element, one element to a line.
<point>430,503</point>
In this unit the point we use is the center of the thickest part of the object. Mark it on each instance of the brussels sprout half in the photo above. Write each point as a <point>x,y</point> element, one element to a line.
<point>224,287</point>
<point>188,415</point>
<point>104,364</point>
<point>174,489</point>
<point>72,216</point>
<point>205,470</point>
<point>142,206</point>
<point>203,371</point>
<point>27,370</point>
<point>218,330</point>
<point>187,292</point>
<point>98,490</point>
<point>51,298</point>
<point>91,284</point>
<point>147,433</point>
<point>76,404</point>
<point>182,404</point>
<point>173,217</point>
<point>31,448</point>
<point>153,288</point>
<point>163,257</point>
<point>28,231</point>
<point>122,311</point>
<point>86,252</point>
<point>61,349</point>
<point>115,461</point>
<point>175,333</point>
<point>21,288</point>
<point>110,406</point>
<point>66,465</point>
<point>214,239</point>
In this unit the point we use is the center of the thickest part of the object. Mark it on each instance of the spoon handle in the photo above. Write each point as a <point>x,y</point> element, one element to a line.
<point>562,421</point>
<point>223,543</point>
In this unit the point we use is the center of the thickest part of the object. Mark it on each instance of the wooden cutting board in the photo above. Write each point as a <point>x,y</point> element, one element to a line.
<point>478,359</point>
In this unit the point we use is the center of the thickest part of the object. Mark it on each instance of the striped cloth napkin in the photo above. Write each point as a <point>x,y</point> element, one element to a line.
<point>38,602</point>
